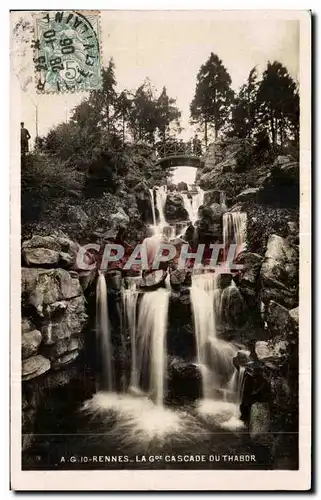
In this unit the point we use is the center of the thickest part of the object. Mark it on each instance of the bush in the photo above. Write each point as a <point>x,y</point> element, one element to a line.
<point>45,179</point>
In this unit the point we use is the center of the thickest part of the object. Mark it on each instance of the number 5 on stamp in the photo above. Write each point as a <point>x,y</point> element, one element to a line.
<point>67,51</point>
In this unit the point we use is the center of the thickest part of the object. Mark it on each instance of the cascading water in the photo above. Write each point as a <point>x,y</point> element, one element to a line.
<point>151,328</point>
<point>103,334</point>
<point>151,192</point>
<point>214,356</point>
<point>161,196</point>
<point>234,230</point>
<point>129,299</point>
<point>222,383</point>
<point>223,199</point>
<point>192,204</point>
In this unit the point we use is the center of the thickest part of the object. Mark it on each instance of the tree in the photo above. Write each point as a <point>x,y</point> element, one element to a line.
<point>167,115</point>
<point>143,117</point>
<point>123,107</point>
<point>104,99</point>
<point>278,103</point>
<point>244,110</point>
<point>213,96</point>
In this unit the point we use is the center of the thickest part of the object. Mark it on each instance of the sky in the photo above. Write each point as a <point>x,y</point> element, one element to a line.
<point>169,47</point>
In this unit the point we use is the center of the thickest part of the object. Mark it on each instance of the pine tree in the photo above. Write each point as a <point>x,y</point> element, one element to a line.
<point>244,110</point>
<point>105,98</point>
<point>167,115</point>
<point>278,103</point>
<point>123,108</point>
<point>211,104</point>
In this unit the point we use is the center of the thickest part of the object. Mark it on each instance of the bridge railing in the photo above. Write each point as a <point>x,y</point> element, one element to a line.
<point>178,148</point>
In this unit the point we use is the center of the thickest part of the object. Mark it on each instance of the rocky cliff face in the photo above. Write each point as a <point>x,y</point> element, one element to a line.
<point>53,321</point>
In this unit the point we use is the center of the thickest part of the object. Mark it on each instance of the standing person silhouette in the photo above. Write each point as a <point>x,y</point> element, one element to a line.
<point>24,139</point>
<point>197,146</point>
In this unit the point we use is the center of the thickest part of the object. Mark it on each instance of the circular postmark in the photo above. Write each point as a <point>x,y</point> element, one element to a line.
<point>67,51</point>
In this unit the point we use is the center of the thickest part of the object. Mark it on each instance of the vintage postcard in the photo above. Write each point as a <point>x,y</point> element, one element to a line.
<point>160,250</point>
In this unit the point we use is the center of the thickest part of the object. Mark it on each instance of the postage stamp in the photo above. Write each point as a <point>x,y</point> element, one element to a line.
<point>67,51</point>
<point>160,250</point>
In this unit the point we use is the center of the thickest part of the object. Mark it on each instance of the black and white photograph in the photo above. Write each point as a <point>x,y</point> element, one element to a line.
<point>163,182</point>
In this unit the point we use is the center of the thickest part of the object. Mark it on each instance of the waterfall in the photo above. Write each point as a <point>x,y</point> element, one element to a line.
<point>192,205</point>
<point>214,356</point>
<point>152,350</point>
<point>161,196</point>
<point>151,192</point>
<point>223,199</point>
<point>236,385</point>
<point>202,297</point>
<point>129,299</point>
<point>103,333</point>
<point>234,230</point>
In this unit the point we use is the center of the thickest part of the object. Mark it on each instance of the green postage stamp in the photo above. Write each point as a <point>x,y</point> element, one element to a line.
<point>67,51</point>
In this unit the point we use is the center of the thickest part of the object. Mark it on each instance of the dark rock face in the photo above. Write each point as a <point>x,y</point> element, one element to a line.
<point>281,185</point>
<point>249,276</point>
<point>174,208</point>
<point>281,321</point>
<point>180,277</point>
<point>182,186</point>
<point>184,381</point>
<point>222,156</point>
<point>34,366</point>
<point>279,272</point>
<point>249,194</point>
<point>233,307</point>
<point>180,335</point>
<point>30,342</point>
<point>213,196</point>
<point>209,225</point>
<point>50,251</point>
<point>53,319</point>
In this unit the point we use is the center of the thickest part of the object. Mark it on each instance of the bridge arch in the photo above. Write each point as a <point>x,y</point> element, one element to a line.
<point>177,154</point>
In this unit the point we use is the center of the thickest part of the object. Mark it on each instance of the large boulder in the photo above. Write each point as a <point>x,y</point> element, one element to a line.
<point>180,277</point>
<point>249,275</point>
<point>280,320</point>
<point>55,250</point>
<point>222,155</point>
<point>78,215</point>
<point>119,219</point>
<point>30,342</point>
<point>260,423</point>
<point>267,350</point>
<point>279,273</point>
<point>34,366</point>
<point>42,287</point>
<point>249,194</point>
<point>184,380</point>
<point>63,320</point>
<point>209,224</point>
<point>231,309</point>
<point>174,208</point>
<point>213,196</point>
<point>281,185</point>
<point>182,186</point>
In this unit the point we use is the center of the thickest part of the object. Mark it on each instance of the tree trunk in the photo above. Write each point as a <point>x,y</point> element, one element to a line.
<point>205,134</point>
<point>215,131</point>
<point>272,127</point>
<point>108,120</point>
